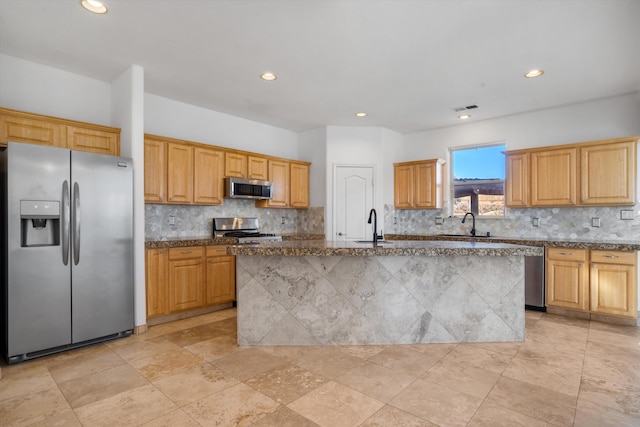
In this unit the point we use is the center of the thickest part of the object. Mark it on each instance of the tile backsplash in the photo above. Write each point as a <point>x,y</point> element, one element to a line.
<point>197,221</point>
<point>567,223</point>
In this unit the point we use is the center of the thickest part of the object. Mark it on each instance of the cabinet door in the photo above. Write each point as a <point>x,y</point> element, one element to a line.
<point>403,181</point>
<point>32,131</point>
<point>553,177</point>
<point>608,174</point>
<point>257,168</point>
<point>155,170</point>
<point>93,140</point>
<point>156,281</point>
<point>220,282</point>
<point>299,186</point>
<point>235,164</point>
<point>427,183</point>
<point>517,180</point>
<point>614,283</point>
<point>208,176</point>
<point>279,175</point>
<point>566,279</point>
<point>185,284</point>
<point>179,173</point>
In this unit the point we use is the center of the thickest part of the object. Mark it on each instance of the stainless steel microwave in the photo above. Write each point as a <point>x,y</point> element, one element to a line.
<point>241,188</point>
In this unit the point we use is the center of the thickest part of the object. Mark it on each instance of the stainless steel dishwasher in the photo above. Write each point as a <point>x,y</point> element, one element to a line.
<point>534,283</point>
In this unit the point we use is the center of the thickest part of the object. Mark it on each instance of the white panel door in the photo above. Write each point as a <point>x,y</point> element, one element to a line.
<point>353,200</point>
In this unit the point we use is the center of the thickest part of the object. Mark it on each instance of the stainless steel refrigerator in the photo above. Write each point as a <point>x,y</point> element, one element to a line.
<point>67,249</point>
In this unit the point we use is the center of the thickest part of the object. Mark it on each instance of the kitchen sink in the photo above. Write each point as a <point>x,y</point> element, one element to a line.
<point>469,236</point>
<point>379,242</point>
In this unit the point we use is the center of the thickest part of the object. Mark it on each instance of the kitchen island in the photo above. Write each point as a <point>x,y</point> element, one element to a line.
<point>400,292</point>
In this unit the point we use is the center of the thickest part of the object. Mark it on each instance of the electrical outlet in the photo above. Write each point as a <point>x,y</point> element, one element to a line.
<point>626,214</point>
<point>172,220</point>
<point>282,221</point>
<point>439,220</point>
<point>595,222</point>
<point>535,222</point>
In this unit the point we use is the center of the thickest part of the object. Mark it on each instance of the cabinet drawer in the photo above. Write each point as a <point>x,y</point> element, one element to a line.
<point>220,250</point>
<point>567,254</point>
<point>614,257</point>
<point>186,253</point>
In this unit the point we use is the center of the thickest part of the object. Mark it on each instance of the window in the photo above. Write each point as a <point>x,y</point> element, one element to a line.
<point>477,180</point>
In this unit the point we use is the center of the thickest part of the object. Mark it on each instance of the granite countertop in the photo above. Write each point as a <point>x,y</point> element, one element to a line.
<point>612,245</point>
<point>180,242</point>
<point>386,248</point>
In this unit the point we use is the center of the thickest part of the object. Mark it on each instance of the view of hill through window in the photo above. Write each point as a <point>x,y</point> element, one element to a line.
<point>478,180</point>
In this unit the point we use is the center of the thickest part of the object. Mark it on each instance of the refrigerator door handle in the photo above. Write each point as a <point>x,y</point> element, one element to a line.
<point>65,222</point>
<point>75,214</point>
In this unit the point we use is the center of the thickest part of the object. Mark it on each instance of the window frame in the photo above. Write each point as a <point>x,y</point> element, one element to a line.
<point>453,185</point>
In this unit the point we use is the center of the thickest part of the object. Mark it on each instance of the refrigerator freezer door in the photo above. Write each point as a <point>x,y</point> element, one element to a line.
<point>38,283</point>
<point>102,280</point>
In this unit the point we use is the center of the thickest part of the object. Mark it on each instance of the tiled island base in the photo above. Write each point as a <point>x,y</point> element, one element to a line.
<point>315,300</point>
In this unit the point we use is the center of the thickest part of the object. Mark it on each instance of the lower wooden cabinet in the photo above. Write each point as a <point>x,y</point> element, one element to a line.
<point>595,281</point>
<point>567,280</point>
<point>189,277</point>
<point>220,276</point>
<point>156,280</point>
<point>614,283</point>
<point>185,278</point>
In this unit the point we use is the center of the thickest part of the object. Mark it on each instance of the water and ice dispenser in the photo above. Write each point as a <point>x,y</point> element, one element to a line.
<point>40,223</point>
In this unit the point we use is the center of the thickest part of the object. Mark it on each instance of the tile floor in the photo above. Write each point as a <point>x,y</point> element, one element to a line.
<point>190,373</point>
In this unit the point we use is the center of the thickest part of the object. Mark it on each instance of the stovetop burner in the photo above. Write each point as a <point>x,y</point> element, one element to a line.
<point>244,229</point>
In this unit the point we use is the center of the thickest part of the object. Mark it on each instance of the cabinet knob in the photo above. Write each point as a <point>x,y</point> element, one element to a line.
<point>565,253</point>
<point>611,256</point>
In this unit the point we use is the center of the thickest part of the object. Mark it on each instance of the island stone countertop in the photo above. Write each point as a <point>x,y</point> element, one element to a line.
<point>611,245</point>
<point>384,248</point>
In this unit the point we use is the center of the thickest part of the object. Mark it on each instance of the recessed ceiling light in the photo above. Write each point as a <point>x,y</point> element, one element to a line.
<point>534,73</point>
<point>361,114</point>
<point>94,6</point>
<point>464,116</point>
<point>268,76</point>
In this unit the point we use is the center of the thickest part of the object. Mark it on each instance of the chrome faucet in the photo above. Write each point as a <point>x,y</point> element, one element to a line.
<point>372,213</point>
<point>473,226</point>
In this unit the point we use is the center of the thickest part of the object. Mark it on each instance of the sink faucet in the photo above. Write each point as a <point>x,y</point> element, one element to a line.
<point>473,226</point>
<point>372,213</point>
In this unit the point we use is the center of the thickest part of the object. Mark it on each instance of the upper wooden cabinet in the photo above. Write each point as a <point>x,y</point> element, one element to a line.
<point>418,185</point>
<point>179,173</point>
<point>279,176</point>
<point>587,174</point>
<point>516,185</point>
<point>93,140</point>
<point>258,168</point>
<point>155,170</point>
<point>235,164</point>
<point>554,177</point>
<point>290,185</point>
<point>207,179</point>
<point>608,174</point>
<point>299,181</point>
<point>182,173</point>
<point>30,128</point>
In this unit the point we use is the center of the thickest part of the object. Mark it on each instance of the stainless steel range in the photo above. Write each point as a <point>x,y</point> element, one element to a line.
<point>246,230</point>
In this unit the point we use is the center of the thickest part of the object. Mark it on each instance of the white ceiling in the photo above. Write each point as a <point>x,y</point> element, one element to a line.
<point>408,64</point>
